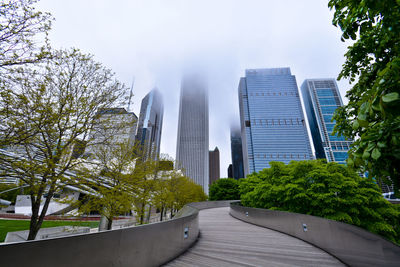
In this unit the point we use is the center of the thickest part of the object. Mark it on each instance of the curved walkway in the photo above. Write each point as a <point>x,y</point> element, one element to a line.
<point>226,241</point>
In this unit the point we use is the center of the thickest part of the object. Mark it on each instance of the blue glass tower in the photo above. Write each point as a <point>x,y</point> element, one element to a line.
<point>272,120</point>
<point>321,99</point>
<point>237,153</point>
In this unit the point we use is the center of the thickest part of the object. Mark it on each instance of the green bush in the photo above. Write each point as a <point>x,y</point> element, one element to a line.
<point>328,190</point>
<point>224,189</point>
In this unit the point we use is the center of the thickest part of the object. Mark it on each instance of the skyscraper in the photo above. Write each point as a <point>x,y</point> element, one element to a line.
<point>230,175</point>
<point>192,144</point>
<point>214,165</point>
<point>237,153</point>
<point>321,99</point>
<point>150,124</point>
<point>272,120</point>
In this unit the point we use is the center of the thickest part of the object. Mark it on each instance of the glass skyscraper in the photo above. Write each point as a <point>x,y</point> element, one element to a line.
<point>150,124</point>
<point>272,120</point>
<point>192,144</point>
<point>321,99</point>
<point>237,153</point>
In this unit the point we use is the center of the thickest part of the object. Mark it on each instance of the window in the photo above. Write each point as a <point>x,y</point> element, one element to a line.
<point>328,109</point>
<point>324,92</point>
<point>247,123</point>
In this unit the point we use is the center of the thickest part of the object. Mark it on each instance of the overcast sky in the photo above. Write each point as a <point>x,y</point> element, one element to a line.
<point>154,41</point>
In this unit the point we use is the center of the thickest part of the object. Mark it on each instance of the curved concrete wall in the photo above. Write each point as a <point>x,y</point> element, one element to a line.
<point>146,245</point>
<point>350,244</point>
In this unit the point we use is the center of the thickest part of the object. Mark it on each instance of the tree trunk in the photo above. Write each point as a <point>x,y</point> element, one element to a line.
<point>148,214</point>
<point>161,214</point>
<point>36,221</point>
<point>109,223</point>
<point>141,213</point>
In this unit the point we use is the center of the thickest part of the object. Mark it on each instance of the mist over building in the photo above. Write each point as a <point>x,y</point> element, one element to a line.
<point>271,118</point>
<point>321,98</point>
<point>192,143</point>
<point>150,124</point>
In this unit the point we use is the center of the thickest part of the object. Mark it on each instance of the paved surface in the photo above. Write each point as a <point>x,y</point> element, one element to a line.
<point>226,241</point>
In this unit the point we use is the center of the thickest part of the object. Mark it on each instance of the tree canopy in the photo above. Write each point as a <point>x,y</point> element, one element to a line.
<point>328,190</point>
<point>22,28</point>
<point>224,189</point>
<point>372,116</point>
<point>45,110</point>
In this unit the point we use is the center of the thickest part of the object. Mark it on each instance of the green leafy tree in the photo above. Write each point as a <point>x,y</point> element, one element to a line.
<point>224,189</point>
<point>47,109</point>
<point>371,117</point>
<point>108,175</point>
<point>185,191</point>
<point>323,189</point>
<point>21,27</point>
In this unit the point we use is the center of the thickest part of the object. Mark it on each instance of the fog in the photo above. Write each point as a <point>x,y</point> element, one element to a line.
<point>155,41</point>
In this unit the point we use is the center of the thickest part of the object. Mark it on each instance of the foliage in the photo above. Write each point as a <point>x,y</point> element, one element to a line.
<point>10,195</point>
<point>46,109</point>
<point>372,116</point>
<point>21,225</point>
<point>322,189</point>
<point>224,189</point>
<point>109,176</point>
<point>20,28</point>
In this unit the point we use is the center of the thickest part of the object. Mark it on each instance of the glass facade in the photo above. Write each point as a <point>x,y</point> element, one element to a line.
<point>237,153</point>
<point>321,99</point>
<point>272,120</point>
<point>192,145</point>
<point>150,124</point>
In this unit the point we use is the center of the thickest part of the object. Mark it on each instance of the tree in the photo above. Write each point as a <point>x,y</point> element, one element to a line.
<point>328,190</point>
<point>20,28</point>
<point>47,108</point>
<point>371,117</point>
<point>224,189</point>
<point>108,175</point>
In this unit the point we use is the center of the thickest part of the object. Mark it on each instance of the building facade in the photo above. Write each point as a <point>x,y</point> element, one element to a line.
<point>230,175</point>
<point>321,98</point>
<point>214,165</point>
<point>111,127</point>
<point>150,124</point>
<point>272,120</point>
<point>237,153</point>
<point>192,144</point>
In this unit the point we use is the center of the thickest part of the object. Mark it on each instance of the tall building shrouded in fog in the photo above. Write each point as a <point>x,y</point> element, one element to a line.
<point>214,165</point>
<point>192,144</point>
<point>321,99</point>
<point>271,118</point>
<point>150,124</point>
<point>237,153</point>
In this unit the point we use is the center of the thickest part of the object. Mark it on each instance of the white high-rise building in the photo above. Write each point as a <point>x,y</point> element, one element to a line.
<point>192,144</point>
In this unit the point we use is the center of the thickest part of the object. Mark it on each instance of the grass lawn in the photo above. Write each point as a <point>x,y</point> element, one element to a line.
<point>19,225</point>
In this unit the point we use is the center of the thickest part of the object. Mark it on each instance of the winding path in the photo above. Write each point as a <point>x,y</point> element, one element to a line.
<point>226,241</point>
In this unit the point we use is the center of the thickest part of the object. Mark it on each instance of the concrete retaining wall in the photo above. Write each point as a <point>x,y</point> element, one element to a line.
<point>350,244</point>
<point>146,245</point>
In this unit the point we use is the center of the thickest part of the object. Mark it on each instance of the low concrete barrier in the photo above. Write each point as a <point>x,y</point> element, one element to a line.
<point>350,244</point>
<point>46,233</point>
<point>145,245</point>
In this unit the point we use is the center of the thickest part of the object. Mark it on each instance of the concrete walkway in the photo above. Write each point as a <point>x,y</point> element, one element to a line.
<point>226,241</point>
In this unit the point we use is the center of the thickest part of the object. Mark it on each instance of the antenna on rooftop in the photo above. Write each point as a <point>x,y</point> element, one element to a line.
<point>131,93</point>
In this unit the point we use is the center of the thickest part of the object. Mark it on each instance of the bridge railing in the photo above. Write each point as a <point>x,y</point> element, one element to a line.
<point>145,245</point>
<point>350,244</point>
